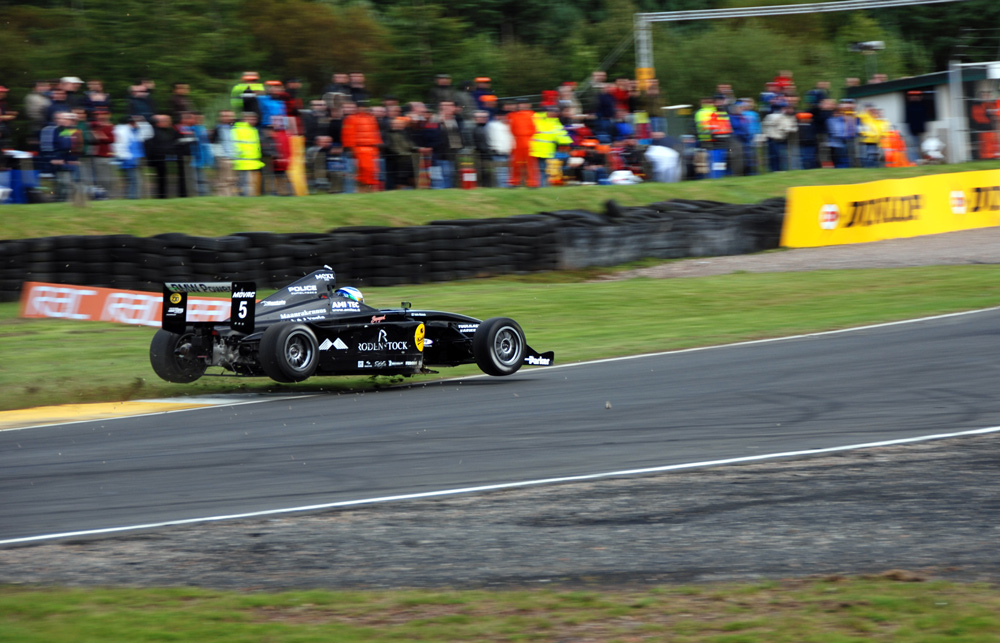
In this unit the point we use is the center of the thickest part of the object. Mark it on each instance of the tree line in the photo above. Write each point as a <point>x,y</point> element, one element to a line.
<point>524,47</point>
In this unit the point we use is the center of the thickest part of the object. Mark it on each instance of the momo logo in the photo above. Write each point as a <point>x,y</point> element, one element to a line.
<point>418,337</point>
<point>326,276</point>
<point>175,298</point>
<point>829,216</point>
<point>957,199</point>
<point>382,343</point>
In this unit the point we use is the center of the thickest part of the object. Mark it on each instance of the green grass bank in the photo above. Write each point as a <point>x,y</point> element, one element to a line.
<point>218,216</point>
<point>833,610</point>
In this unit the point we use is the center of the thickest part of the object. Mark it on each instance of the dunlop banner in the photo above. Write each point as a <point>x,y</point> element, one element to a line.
<point>832,215</point>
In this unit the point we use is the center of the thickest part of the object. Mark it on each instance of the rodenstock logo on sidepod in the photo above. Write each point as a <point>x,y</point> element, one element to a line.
<point>829,216</point>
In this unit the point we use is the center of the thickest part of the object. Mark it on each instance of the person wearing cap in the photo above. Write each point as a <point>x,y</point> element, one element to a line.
<point>482,88</point>
<point>249,84</point>
<point>549,134</point>
<point>271,103</point>
<point>71,85</point>
<point>808,141</point>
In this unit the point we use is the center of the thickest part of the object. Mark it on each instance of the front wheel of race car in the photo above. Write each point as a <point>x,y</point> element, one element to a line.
<point>289,352</point>
<point>170,357</point>
<point>498,346</point>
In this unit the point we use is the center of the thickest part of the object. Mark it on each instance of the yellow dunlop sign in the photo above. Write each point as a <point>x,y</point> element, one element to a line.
<point>175,298</point>
<point>418,337</point>
<point>833,215</point>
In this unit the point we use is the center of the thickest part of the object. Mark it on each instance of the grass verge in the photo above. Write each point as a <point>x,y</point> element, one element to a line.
<point>833,610</point>
<point>217,216</point>
<point>58,362</point>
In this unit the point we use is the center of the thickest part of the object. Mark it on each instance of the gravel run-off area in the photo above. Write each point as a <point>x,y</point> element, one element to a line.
<point>930,509</point>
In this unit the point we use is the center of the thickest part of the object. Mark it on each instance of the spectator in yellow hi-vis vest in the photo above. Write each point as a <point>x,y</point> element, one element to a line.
<point>872,128</point>
<point>247,162</point>
<point>549,133</point>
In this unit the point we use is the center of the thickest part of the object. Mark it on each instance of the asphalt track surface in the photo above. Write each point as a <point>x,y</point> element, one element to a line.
<point>820,391</point>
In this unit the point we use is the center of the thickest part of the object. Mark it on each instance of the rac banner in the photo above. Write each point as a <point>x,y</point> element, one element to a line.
<point>832,215</point>
<point>104,304</point>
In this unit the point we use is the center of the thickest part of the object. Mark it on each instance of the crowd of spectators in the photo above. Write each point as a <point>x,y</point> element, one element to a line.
<point>272,140</point>
<point>779,130</point>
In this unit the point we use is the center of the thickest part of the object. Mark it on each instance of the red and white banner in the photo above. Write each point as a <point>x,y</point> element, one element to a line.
<point>105,304</point>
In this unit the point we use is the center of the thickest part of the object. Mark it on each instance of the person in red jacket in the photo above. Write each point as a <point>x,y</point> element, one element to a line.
<point>281,154</point>
<point>362,135</point>
<point>522,127</point>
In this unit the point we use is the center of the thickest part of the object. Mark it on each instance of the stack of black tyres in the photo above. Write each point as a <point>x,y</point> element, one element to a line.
<point>444,250</point>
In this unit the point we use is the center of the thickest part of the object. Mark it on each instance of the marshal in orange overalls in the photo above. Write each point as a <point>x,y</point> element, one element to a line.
<point>361,134</point>
<point>522,127</point>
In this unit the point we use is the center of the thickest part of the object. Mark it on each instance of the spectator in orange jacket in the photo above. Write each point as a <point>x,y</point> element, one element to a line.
<point>361,134</point>
<point>522,127</point>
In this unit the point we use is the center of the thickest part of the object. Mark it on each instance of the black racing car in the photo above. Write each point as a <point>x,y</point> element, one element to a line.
<point>311,327</point>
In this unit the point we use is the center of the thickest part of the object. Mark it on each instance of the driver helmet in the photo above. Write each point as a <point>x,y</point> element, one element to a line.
<point>351,293</point>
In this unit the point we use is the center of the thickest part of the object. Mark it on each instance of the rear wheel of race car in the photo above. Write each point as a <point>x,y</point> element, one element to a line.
<point>498,346</point>
<point>171,359</point>
<point>289,352</point>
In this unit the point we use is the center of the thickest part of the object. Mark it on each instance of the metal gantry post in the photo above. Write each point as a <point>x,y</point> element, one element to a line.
<point>957,150</point>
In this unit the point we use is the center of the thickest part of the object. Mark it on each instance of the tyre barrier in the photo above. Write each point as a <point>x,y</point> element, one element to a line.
<point>443,250</point>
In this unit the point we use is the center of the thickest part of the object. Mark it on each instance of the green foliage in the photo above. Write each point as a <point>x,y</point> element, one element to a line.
<point>308,41</point>
<point>963,31</point>
<point>524,46</point>
<point>423,41</point>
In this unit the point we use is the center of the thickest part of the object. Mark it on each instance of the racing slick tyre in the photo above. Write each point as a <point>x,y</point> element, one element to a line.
<point>498,346</point>
<point>168,355</point>
<point>289,352</point>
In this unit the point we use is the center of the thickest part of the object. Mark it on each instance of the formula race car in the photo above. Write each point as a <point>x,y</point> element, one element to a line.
<point>311,327</point>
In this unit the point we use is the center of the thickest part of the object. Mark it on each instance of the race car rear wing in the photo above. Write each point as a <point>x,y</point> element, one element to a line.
<point>241,317</point>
